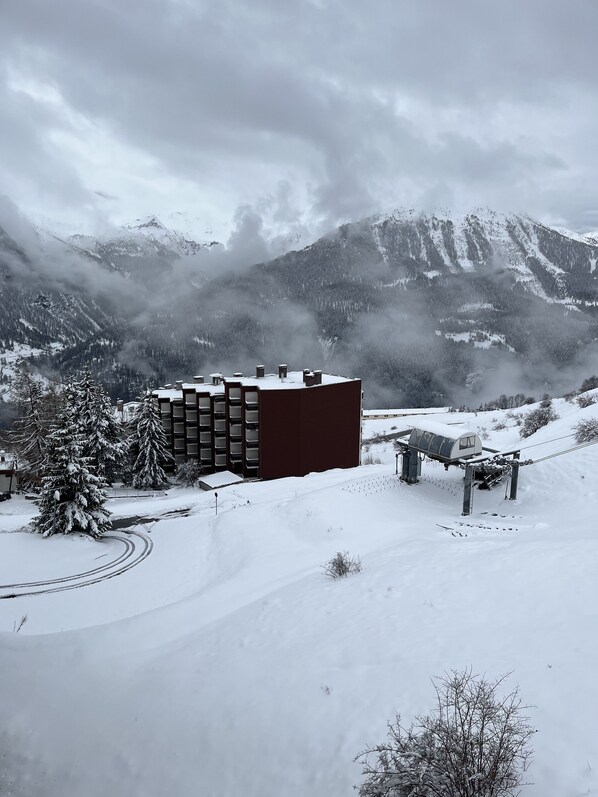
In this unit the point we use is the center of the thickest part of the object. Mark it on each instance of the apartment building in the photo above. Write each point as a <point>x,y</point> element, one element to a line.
<point>266,426</point>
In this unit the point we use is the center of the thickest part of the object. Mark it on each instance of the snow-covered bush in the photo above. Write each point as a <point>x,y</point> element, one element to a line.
<point>585,400</point>
<point>370,459</point>
<point>538,418</point>
<point>474,743</point>
<point>187,473</point>
<point>591,383</point>
<point>341,565</point>
<point>586,430</point>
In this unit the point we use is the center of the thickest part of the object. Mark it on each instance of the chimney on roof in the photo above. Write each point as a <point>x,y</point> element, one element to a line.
<point>238,374</point>
<point>216,378</point>
<point>318,377</point>
<point>169,386</point>
<point>179,384</point>
<point>198,379</point>
<point>309,377</point>
<point>260,371</point>
<point>282,371</point>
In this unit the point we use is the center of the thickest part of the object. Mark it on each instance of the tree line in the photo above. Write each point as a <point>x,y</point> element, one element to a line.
<point>69,447</point>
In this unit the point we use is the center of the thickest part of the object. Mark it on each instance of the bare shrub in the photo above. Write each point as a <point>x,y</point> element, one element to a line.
<point>586,431</point>
<point>341,565</point>
<point>370,459</point>
<point>474,743</point>
<point>16,627</point>
<point>499,426</point>
<point>585,400</point>
<point>538,418</point>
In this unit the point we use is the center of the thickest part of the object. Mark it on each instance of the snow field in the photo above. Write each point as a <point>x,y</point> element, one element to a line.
<point>227,664</point>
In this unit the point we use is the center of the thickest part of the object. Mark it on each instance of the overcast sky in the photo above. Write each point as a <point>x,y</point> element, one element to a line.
<point>310,111</point>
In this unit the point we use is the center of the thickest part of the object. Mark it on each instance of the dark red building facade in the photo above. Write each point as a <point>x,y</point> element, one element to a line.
<point>267,426</point>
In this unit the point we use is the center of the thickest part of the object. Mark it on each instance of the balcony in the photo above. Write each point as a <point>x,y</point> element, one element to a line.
<point>236,449</point>
<point>205,421</point>
<point>219,408</point>
<point>190,399</point>
<point>205,438</point>
<point>235,430</point>
<point>192,449</point>
<point>252,417</point>
<point>178,412</point>
<point>234,394</point>
<point>252,455</point>
<point>220,443</point>
<point>252,436</point>
<point>235,413</point>
<point>220,426</point>
<point>205,404</point>
<point>179,445</point>
<point>192,433</point>
<point>220,461</point>
<point>179,428</point>
<point>191,416</point>
<point>251,398</point>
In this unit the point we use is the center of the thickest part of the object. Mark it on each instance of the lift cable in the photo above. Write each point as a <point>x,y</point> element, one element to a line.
<point>565,451</point>
<point>554,440</point>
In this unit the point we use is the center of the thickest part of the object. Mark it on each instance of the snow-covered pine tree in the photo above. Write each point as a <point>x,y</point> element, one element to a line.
<point>148,440</point>
<point>73,497</point>
<point>29,433</point>
<point>96,420</point>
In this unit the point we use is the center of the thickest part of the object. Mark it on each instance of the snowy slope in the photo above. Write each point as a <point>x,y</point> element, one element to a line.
<point>227,664</point>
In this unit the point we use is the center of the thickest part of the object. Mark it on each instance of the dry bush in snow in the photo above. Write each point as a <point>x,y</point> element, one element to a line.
<point>538,418</point>
<point>342,564</point>
<point>586,431</point>
<point>585,400</point>
<point>370,459</point>
<point>474,743</point>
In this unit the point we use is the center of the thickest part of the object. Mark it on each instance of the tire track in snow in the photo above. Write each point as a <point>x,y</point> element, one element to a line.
<point>135,551</point>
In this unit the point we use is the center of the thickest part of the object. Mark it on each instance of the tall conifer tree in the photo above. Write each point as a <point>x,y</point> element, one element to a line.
<point>148,442</point>
<point>73,497</point>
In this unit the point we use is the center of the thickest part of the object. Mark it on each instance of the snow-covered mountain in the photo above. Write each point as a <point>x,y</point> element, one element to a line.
<point>429,306</point>
<point>148,234</point>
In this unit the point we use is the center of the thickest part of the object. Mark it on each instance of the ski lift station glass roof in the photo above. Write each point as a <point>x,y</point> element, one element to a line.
<point>444,442</point>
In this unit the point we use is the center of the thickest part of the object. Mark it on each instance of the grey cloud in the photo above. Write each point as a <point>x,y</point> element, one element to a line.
<point>221,92</point>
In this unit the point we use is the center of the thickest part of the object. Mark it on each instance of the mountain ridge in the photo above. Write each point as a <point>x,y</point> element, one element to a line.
<point>396,295</point>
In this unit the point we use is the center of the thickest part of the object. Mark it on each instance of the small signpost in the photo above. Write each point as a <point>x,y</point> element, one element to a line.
<point>216,497</point>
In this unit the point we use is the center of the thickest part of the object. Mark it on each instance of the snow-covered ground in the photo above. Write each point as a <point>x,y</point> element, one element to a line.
<point>226,664</point>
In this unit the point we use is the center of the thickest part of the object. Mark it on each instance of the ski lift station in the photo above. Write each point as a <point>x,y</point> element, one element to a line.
<point>443,442</point>
<point>459,446</point>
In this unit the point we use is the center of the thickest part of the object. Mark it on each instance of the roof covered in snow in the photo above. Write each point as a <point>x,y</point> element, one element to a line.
<point>221,479</point>
<point>453,432</point>
<point>293,380</point>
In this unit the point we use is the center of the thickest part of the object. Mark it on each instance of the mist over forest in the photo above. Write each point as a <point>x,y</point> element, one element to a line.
<point>428,309</point>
